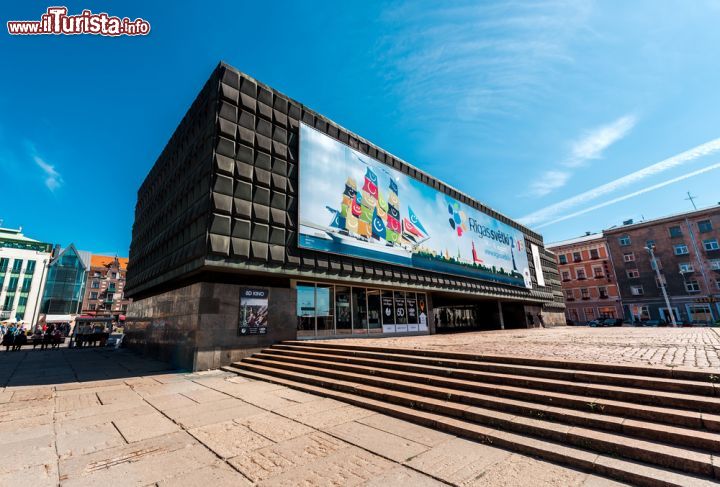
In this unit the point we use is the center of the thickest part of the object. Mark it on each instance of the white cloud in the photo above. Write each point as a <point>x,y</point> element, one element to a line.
<point>53,179</point>
<point>549,212</point>
<point>549,182</point>
<point>632,195</point>
<point>593,143</point>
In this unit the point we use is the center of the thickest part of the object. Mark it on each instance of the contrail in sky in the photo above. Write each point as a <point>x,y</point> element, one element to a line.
<point>545,214</point>
<point>632,195</point>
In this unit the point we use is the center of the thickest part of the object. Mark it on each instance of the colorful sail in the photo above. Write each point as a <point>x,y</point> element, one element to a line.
<point>416,221</point>
<point>378,227</point>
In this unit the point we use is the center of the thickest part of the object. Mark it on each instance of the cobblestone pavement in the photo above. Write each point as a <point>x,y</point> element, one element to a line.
<point>674,347</point>
<point>96,417</point>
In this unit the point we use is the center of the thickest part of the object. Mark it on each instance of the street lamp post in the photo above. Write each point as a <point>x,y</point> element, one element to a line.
<point>651,250</point>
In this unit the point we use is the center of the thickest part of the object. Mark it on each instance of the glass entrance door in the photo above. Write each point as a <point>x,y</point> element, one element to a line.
<point>343,317</point>
<point>374,311</point>
<point>359,310</point>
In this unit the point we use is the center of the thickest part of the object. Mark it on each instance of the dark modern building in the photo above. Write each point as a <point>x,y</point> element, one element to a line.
<point>262,220</point>
<point>687,256</point>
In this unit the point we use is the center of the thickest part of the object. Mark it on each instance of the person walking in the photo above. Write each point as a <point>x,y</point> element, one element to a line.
<point>541,320</point>
<point>531,320</point>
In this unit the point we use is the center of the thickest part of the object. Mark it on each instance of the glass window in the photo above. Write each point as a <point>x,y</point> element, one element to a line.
<point>577,257</point>
<point>422,311</point>
<point>95,285</point>
<point>660,282</point>
<point>636,290</point>
<point>111,287</point>
<point>624,240</point>
<point>705,226</point>
<point>580,273</point>
<point>374,311</point>
<point>675,231</point>
<point>17,265</point>
<point>3,264</point>
<point>692,286</point>
<point>633,273</point>
<point>589,314</point>
<point>585,293</point>
<point>343,311</point>
<point>306,309</point>
<point>598,272</point>
<point>594,254</point>
<point>681,249</point>
<point>566,275</point>
<point>93,295</point>
<point>359,310</point>
<point>562,258</point>
<point>629,256</point>
<point>12,284</point>
<point>686,267</point>
<point>715,264</point>
<point>27,282</point>
<point>569,294</point>
<point>711,244</point>
<point>30,268</point>
<point>324,304</point>
<point>113,275</point>
<point>602,291</point>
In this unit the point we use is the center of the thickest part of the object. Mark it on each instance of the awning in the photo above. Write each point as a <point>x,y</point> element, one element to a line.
<point>58,318</point>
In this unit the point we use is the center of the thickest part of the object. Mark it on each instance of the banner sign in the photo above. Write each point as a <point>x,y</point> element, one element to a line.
<point>354,205</point>
<point>538,265</point>
<point>253,312</point>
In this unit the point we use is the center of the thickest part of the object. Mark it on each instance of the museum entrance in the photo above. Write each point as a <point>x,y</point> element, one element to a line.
<point>454,314</point>
<point>326,310</point>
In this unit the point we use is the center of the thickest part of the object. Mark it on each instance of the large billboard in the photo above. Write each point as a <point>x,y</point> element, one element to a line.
<point>352,204</point>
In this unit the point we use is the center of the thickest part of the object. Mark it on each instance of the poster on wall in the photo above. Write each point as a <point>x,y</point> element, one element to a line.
<point>352,204</point>
<point>422,313</point>
<point>387,311</point>
<point>253,312</point>
<point>538,265</point>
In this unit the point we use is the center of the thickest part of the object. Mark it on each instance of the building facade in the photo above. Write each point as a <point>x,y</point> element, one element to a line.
<point>588,279</point>
<point>243,236</point>
<point>23,270</point>
<point>65,286</point>
<point>105,288</point>
<point>687,255</point>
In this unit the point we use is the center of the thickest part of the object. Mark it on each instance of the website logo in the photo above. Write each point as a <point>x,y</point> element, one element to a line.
<point>56,21</point>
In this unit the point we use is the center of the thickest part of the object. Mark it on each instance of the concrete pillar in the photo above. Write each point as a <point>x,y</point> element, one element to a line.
<point>502,319</point>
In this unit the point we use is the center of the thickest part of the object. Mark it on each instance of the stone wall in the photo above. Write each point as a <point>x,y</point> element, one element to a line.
<point>196,327</point>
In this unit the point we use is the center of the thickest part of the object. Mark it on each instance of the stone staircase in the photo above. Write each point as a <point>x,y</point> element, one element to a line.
<point>641,425</point>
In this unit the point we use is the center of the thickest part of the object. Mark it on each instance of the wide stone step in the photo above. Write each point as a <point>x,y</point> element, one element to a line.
<point>622,380</point>
<point>625,394</point>
<point>680,373</point>
<point>508,407</point>
<point>608,465</point>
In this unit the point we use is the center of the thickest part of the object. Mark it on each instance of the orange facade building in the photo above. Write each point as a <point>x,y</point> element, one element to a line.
<point>588,278</point>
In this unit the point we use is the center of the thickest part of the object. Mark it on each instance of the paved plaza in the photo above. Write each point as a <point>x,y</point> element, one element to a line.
<point>105,417</point>
<point>671,347</point>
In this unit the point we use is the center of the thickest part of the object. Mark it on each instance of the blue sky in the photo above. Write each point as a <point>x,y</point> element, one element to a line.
<point>594,112</point>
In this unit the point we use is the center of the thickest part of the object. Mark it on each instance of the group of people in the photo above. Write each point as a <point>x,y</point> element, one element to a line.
<point>14,336</point>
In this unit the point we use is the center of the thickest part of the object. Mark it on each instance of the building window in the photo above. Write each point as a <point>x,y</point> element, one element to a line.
<point>660,282</point>
<point>95,285</point>
<point>569,295</point>
<point>711,244</point>
<point>113,275</point>
<point>580,273</point>
<point>27,282</point>
<point>3,265</point>
<point>636,290</point>
<point>12,284</point>
<point>717,282</point>
<point>589,314</point>
<point>705,226</point>
<point>649,244</point>
<point>30,269</point>
<point>577,257</point>
<point>633,273</point>
<point>602,290</point>
<point>624,240</point>
<point>686,267</point>
<point>585,293</point>
<point>93,295</point>
<point>96,274</point>
<point>629,256</point>
<point>566,276</point>
<point>17,265</point>
<point>594,254</point>
<point>715,264</point>
<point>692,286</point>
<point>675,231</point>
<point>681,249</point>
<point>562,258</point>
<point>598,272</point>
<point>111,287</point>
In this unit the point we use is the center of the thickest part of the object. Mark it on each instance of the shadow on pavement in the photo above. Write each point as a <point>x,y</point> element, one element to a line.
<point>69,365</point>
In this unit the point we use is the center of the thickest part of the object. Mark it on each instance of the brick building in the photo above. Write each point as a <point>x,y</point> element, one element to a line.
<point>688,257</point>
<point>105,287</point>
<point>588,278</point>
